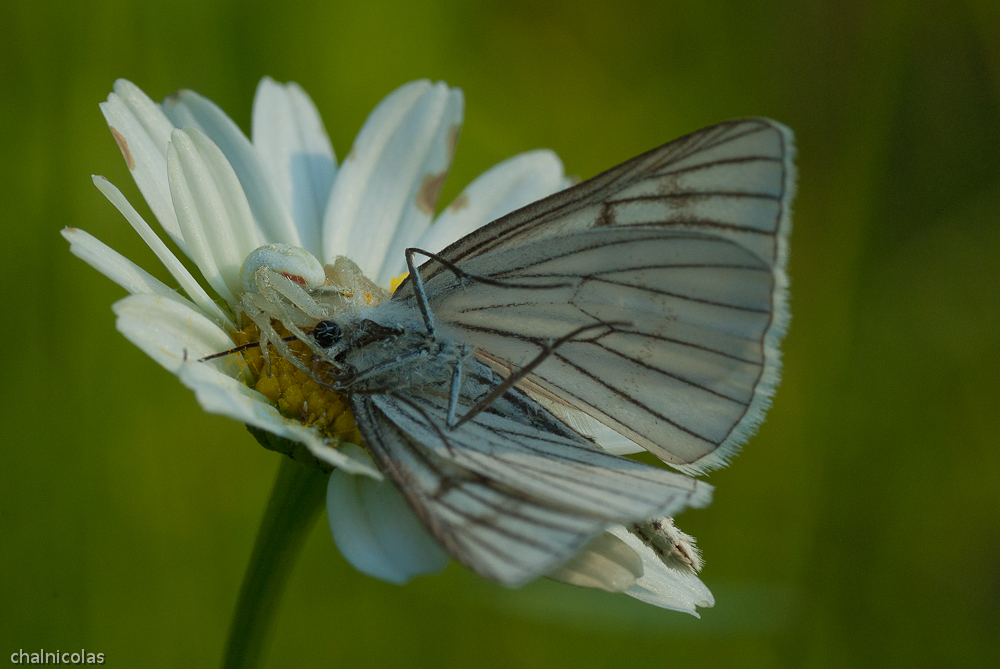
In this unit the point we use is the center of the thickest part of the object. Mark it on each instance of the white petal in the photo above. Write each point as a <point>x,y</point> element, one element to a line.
<point>169,260</point>
<point>662,586</point>
<point>348,195</point>
<point>500,190</point>
<point>222,395</point>
<point>117,267</point>
<point>293,146</point>
<point>179,114</point>
<point>212,209</point>
<point>274,219</point>
<point>386,190</point>
<point>607,563</point>
<point>376,531</point>
<point>142,132</point>
<point>171,333</point>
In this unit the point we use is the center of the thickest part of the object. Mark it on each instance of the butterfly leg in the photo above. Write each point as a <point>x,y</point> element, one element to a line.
<point>381,367</point>
<point>421,294</point>
<point>418,290</point>
<point>456,386</point>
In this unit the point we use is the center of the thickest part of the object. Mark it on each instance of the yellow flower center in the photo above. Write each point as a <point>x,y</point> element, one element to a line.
<point>394,283</point>
<point>296,394</point>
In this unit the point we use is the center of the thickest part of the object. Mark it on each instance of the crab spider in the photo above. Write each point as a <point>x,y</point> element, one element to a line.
<point>289,285</point>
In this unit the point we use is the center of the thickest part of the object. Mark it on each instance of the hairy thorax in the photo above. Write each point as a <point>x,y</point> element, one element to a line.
<point>384,358</point>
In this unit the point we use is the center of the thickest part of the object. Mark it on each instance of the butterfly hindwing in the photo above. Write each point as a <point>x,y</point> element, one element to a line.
<point>512,493</point>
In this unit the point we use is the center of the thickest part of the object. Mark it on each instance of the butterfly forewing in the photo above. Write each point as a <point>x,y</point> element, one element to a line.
<point>735,168</point>
<point>684,249</point>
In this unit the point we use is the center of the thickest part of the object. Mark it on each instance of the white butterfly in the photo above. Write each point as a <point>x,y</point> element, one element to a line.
<point>641,309</point>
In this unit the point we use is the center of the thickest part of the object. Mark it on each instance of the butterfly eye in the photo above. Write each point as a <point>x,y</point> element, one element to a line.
<point>326,333</point>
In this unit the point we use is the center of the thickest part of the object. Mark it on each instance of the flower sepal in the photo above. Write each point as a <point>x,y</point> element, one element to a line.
<point>294,449</point>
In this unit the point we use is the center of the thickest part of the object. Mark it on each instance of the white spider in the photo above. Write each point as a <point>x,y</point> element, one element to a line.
<point>289,285</point>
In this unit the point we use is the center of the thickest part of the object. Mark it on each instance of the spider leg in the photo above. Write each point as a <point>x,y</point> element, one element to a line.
<point>261,310</point>
<point>292,292</point>
<point>263,323</point>
<point>273,289</point>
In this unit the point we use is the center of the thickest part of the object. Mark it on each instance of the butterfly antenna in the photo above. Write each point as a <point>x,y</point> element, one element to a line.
<point>244,347</point>
<point>475,277</point>
<point>421,294</point>
<point>509,382</point>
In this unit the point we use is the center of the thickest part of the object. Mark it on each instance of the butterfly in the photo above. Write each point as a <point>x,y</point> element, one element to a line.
<point>501,382</point>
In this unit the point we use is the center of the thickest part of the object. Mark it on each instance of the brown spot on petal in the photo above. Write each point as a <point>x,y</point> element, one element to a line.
<point>351,155</point>
<point>460,203</point>
<point>430,188</point>
<point>123,145</point>
<point>453,132</point>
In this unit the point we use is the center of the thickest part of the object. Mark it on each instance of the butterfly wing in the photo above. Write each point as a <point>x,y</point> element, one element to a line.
<point>735,179</point>
<point>514,492</point>
<point>684,249</point>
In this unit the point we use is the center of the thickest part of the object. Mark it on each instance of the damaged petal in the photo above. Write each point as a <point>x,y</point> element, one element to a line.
<point>460,203</point>
<point>123,145</point>
<point>453,133</point>
<point>430,188</point>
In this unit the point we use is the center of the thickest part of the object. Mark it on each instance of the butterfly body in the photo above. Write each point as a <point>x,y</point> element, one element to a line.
<point>390,356</point>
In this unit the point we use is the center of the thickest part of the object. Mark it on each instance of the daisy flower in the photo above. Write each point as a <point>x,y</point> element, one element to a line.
<point>262,217</point>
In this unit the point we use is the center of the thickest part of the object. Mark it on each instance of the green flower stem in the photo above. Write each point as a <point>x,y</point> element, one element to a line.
<point>295,503</point>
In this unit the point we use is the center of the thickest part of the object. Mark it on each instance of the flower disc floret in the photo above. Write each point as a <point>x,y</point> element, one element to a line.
<point>297,395</point>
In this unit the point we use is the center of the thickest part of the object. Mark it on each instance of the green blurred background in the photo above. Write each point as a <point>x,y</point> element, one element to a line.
<point>860,528</point>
